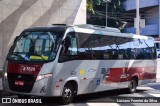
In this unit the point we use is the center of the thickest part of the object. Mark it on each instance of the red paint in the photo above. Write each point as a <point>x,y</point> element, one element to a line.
<point>84,78</point>
<point>117,75</point>
<point>57,86</point>
<point>32,69</point>
<point>60,80</point>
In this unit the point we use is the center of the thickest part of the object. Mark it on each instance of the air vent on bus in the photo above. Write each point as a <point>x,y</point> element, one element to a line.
<point>89,26</point>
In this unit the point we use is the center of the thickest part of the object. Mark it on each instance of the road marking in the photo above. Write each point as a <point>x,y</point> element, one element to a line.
<point>102,104</point>
<point>155,95</point>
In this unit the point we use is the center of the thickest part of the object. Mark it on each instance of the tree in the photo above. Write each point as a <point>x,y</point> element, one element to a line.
<point>96,13</point>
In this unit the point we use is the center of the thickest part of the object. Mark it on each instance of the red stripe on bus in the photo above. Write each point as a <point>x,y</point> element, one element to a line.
<point>32,69</point>
<point>125,74</point>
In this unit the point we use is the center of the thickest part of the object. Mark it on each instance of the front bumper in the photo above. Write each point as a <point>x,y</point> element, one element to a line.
<point>43,87</point>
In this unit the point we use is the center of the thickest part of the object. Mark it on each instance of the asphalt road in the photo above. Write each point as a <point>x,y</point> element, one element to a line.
<point>107,98</point>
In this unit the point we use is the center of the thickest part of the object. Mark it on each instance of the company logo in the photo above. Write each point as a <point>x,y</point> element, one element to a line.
<point>6,100</point>
<point>14,100</point>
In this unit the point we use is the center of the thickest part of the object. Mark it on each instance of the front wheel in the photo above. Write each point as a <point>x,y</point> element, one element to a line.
<point>67,94</point>
<point>132,86</point>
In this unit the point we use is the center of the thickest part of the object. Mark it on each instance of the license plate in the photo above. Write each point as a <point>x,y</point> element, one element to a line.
<point>20,83</point>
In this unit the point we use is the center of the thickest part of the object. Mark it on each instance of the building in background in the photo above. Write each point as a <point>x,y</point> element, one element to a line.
<point>149,12</point>
<point>17,15</point>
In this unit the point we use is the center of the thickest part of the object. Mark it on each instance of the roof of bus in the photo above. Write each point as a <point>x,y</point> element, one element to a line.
<point>90,30</point>
<point>47,28</point>
<point>111,33</point>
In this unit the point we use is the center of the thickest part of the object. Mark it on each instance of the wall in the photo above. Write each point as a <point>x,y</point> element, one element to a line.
<point>152,16</point>
<point>131,4</point>
<point>16,15</point>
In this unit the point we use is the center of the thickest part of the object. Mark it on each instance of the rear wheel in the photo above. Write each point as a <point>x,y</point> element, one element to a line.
<point>67,94</point>
<point>24,96</point>
<point>132,86</point>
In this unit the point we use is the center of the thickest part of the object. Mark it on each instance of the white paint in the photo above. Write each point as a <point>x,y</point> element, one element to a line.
<point>89,31</point>
<point>140,36</point>
<point>154,95</point>
<point>108,32</point>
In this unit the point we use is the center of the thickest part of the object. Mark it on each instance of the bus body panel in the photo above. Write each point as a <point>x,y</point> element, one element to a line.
<point>90,75</point>
<point>91,78</point>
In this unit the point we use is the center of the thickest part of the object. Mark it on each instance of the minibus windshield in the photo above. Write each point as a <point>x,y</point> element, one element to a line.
<point>35,46</point>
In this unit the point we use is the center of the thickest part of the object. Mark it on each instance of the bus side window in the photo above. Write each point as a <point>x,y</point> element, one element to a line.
<point>73,47</point>
<point>149,49</point>
<point>69,49</point>
<point>70,45</point>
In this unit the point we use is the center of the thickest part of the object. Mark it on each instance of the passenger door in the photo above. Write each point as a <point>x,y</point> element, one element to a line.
<point>88,52</point>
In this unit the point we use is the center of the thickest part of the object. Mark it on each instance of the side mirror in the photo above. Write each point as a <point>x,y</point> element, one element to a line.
<point>67,42</point>
<point>15,39</point>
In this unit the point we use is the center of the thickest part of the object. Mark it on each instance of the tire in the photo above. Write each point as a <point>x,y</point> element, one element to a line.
<point>24,96</point>
<point>132,86</point>
<point>67,94</point>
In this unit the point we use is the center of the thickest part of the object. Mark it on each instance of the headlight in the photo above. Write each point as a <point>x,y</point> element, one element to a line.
<point>5,74</point>
<point>39,77</point>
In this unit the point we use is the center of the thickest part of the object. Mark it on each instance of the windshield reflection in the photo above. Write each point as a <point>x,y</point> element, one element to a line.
<point>36,46</point>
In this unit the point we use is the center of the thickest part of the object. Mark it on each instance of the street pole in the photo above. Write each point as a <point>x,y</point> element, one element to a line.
<point>106,11</point>
<point>137,18</point>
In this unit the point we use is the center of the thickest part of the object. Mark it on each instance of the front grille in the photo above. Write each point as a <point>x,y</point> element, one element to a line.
<point>28,80</point>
